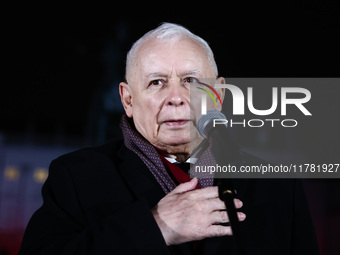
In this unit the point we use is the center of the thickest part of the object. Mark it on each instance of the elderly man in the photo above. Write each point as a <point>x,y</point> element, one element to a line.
<point>129,197</point>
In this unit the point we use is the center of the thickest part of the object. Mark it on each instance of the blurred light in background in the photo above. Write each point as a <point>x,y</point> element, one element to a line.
<point>40,174</point>
<point>23,170</point>
<point>11,173</point>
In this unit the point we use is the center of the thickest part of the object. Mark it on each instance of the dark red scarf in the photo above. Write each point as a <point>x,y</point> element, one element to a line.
<point>149,155</point>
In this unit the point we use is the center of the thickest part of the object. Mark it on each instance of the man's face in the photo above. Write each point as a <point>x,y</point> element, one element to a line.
<point>158,94</point>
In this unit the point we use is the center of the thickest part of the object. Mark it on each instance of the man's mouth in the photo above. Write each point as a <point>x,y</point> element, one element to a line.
<point>176,123</point>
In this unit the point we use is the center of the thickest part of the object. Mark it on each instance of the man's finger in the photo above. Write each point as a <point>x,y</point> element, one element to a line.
<point>184,187</point>
<point>222,217</point>
<point>219,217</point>
<point>218,230</point>
<point>210,192</point>
<point>217,204</point>
<point>238,203</point>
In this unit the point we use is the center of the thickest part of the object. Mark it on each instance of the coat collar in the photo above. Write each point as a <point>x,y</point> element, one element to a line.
<point>138,178</point>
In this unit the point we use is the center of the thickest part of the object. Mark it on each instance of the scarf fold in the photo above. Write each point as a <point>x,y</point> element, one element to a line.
<point>149,155</point>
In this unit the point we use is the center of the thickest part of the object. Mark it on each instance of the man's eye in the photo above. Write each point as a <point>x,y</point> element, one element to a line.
<point>156,82</point>
<point>191,80</point>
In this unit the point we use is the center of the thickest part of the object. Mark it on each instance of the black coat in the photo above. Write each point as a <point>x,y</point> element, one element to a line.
<point>98,201</point>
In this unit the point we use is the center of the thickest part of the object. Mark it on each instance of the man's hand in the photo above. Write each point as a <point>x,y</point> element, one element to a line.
<point>186,214</point>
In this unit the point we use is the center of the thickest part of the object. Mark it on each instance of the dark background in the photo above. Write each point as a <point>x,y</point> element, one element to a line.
<point>58,61</point>
<point>63,66</point>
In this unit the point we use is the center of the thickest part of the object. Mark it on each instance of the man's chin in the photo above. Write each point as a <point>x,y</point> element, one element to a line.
<point>178,146</point>
<point>174,144</point>
<point>177,143</point>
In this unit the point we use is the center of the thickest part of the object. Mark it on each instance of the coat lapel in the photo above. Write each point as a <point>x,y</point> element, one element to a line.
<point>138,178</point>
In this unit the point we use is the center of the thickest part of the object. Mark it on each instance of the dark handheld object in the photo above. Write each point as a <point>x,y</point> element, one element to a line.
<point>227,195</point>
<point>220,146</point>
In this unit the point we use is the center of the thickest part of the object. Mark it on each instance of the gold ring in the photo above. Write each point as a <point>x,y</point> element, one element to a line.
<point>227,191</point>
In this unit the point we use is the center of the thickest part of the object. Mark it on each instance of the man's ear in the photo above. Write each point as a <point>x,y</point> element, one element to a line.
<point>221,91</point>
<point>126,98</point>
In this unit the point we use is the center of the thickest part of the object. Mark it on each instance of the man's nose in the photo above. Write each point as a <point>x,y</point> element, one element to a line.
<point>176,96</point>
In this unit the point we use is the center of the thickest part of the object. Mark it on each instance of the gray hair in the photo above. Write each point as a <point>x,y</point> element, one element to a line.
<point>169,32</point>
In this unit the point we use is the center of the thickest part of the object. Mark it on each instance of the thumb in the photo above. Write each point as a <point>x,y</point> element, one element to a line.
<point>184,187</point>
